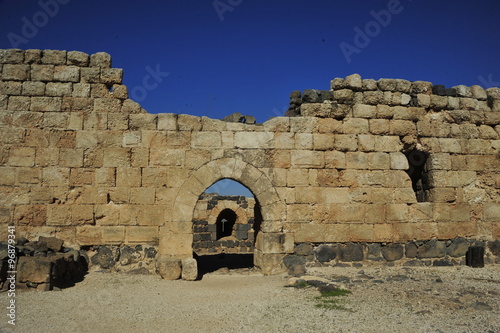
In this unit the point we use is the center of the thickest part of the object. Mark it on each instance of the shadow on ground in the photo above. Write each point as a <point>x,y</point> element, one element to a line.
<point>212,263</point>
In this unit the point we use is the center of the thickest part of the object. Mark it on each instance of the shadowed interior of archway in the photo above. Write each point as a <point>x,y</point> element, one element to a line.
<point>224,235</point>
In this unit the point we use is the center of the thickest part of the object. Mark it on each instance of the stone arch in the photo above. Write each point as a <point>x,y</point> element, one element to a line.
<point>241,215</point>
<point>176,237</point>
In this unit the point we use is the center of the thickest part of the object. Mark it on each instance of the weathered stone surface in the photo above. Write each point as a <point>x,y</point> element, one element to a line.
<point>352,252</point>
<point>458,247</point>
<point>295,265</point>
<point>325,253</point>
<point>392,252</point>
<point>53,243</point>
<point>189,269</point>
<point>432,249</point>
<point>168,268</point>
<point>104,257</point>
<point>304,249</point>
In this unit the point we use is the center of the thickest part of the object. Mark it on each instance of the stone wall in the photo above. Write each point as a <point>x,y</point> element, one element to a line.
<point>208,238</point>
<point>82,162</point>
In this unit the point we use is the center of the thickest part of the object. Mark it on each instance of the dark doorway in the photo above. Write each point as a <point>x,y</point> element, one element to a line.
<point>225,223</point>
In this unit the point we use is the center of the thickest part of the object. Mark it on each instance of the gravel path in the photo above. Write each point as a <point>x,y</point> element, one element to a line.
<point>440,299</point>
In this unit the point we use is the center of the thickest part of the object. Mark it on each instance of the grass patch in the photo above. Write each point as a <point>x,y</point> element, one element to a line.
<point>330,300</point>
<point>299,285</point>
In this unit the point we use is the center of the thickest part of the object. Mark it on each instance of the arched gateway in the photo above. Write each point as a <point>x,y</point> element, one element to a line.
<point>176,237</point>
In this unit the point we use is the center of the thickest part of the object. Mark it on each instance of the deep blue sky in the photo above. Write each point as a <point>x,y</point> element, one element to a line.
<point>251,54</point>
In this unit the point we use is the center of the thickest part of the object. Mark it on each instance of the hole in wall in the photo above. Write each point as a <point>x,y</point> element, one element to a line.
<point>419,176</point>
<point>226,222</point>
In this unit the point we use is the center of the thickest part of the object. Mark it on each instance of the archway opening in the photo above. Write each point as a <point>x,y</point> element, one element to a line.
<point>225,225</point>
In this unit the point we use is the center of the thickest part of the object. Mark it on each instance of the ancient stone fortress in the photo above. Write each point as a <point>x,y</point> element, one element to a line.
<point>387,171</point>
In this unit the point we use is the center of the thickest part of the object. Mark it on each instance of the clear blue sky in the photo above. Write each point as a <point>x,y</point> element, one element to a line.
<point>246,56</point>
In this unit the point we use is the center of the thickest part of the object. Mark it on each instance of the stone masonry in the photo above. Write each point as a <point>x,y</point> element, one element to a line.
<point>209,211</point>
<point>365,162</point>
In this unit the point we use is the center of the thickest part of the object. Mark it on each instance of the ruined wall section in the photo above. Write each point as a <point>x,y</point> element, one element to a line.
<point>82,162</point>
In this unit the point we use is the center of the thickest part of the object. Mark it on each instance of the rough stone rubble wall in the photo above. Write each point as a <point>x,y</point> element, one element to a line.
<point>82,162</point>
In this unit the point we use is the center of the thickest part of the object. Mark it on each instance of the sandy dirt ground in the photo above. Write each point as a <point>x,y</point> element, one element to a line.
<point>388,299</point>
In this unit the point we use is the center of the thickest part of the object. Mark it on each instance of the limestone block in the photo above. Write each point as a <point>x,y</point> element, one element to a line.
<point>119,195</point>
<point>169,157</point>
<point>354,82</point>
<point>11,56</point>
<point>439,102</point>
<point>169,268</point>
<point>398,213</point>
<point>110,76</point>
<point>127,177</point>
<point>46,104</point>
<point>58,215</point>
<point>351,212</point>
<point>72,104</point>
<point>486,132</point>
<point>15,72</point>
<point>148,214</point>
<point>303,125</point>
<point>284,140</point>
<point>19,103</point>
<point>28,215</point>
<point>11,135</point>
<point>100,59</point>
<point>141,234</point>
<point>402,127</point>
<point>346,142</point>
<point>399,161</point>
<point>329,125</point>
<point>77,58</point>
<point>337,83</point>
<point>421,87</point>
<point>374,97</point>
<point>424,100</point>
<point>107,105</point>
<point>439,161</point>
<point>90,74</point>
<point>276,124</point>
<point>307,159</point>
<point>333,195</point>
<point>299,212</point>
<point>379,126</point>
<point>379,160</point>
<point>56,120</point>
<point>54,57</point>
<point>297,177</point>
<point>46,156</point>
<point>116,157</point>
<point>253,140</point>
<point>491,212</point>
<point>142,196</point>
<point>80,90</point>
<point>34,88</point>
<point>358,233</point>
<point>356,160</point>
<point>442,195</point>
<point>81,176</point>
<point>132,138</point>
<point>117,121</point>
<point>188,123</point>
<point>67,73</point>
<point>21,156</point>
<point>388,144</point>
<point>449,145</point>
<point>304,141</point>
<point>451,212</point>
<point>189,269</point>
<point>383,232</point>
<point>206,139</point>
<point>10,88</point>
<point>366,142</point>
<point>356,126</point>
<point>175,244</point>
<point>387,84</point>
<point>144,121</point>
<point>175,140</point>
<point>113,235</point>
<point>71,157</point>
<point>364,111</point>
<point>154,177</point>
